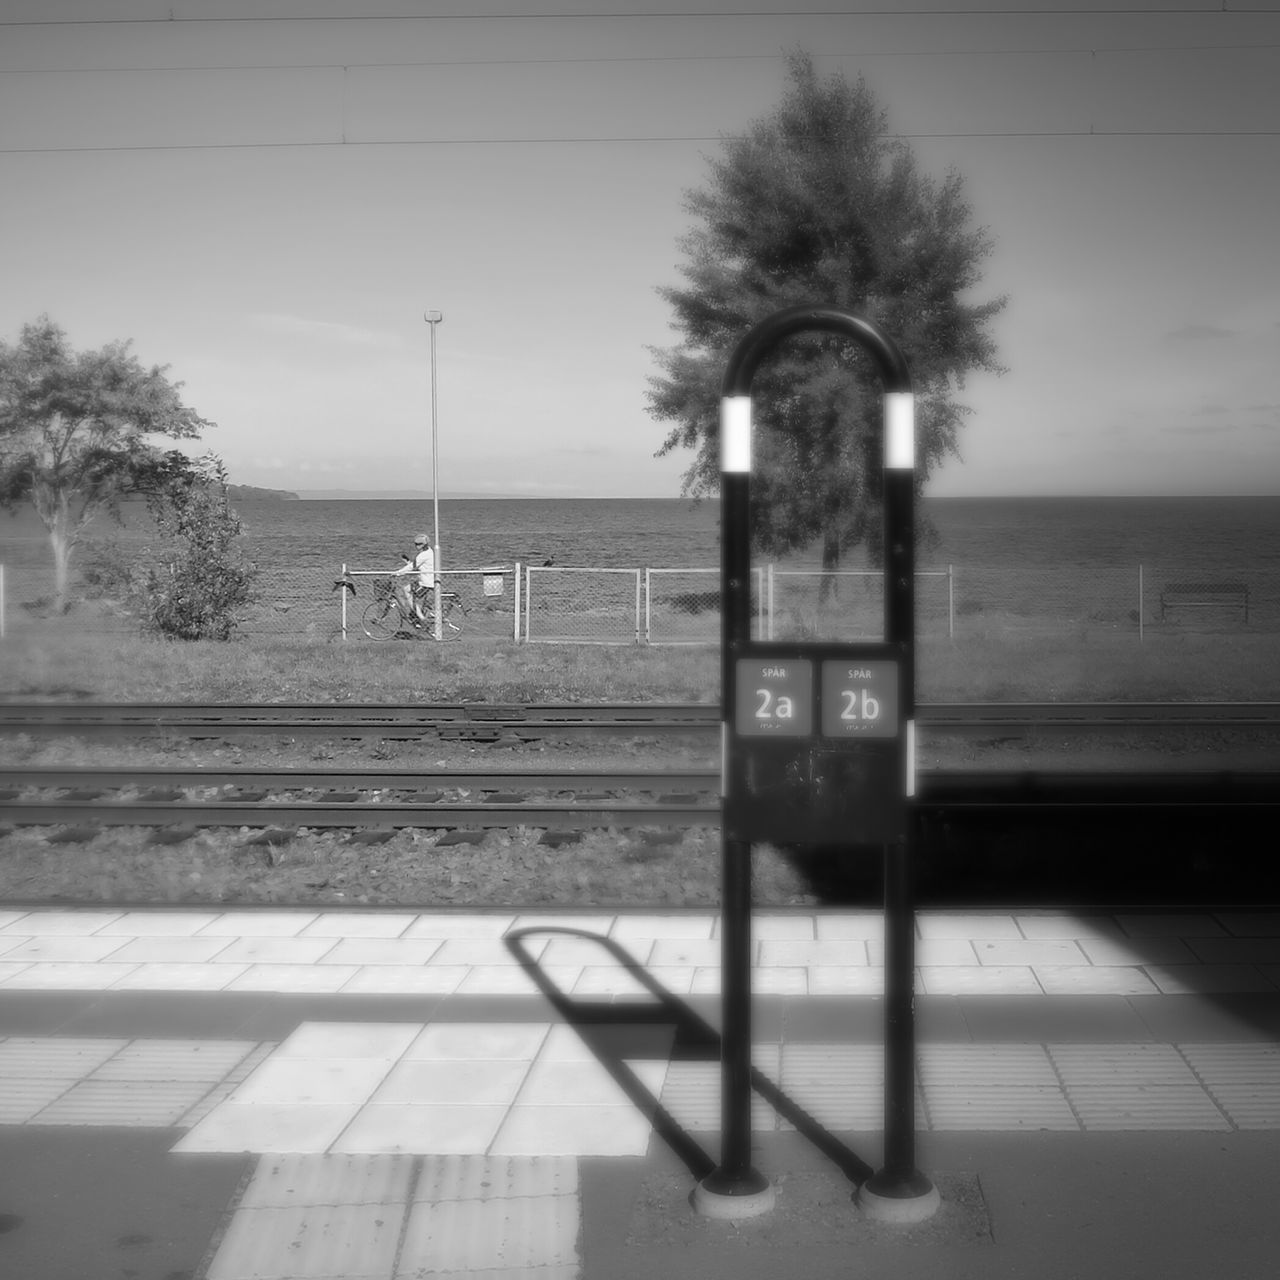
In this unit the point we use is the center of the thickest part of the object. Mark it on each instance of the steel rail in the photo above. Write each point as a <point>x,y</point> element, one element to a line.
<point>940,792</point>
<point>492,722</point>
<point>74,776</point>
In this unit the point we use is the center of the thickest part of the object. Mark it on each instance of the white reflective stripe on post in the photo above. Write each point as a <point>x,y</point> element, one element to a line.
<point>735,434</point>
<point>911,758</point>
<point>899,430</point>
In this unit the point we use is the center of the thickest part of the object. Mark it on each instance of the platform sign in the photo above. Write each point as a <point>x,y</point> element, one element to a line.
<point>818,741</point>
<point>774,698</point>
<point>859,698</point>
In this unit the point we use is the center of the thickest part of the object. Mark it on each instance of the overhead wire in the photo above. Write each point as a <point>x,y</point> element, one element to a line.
<point>349,64</point>
<point>1213,7</point>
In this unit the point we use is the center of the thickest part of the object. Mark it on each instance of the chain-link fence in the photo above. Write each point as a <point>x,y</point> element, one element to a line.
<point>670,606</point>
<point>682,606</point>
<point>586,606</point>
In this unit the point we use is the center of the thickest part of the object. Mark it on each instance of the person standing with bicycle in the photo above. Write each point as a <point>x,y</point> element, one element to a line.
<point>416,595</point>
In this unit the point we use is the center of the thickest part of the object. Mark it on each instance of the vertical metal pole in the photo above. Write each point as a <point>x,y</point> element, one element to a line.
<point>433,318</point>
<point>951,602</point>
<point>1140,595</point>
<point>342,593</point>
<point>899,1192</point>
<point>734,1189</point>
<point>515,632</point>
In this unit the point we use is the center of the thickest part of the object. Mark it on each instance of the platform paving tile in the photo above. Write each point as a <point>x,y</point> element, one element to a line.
<point>830,980</point>
<point>488,952</point>
<point>504,979</point>
<point>381,951</point>
<point>280,1127</point>
<point>849,951</point>
<point>168,924</point>
<point>336,1242</point>
<point>150,1103</point>
<point>175,950</point>
<point>1254,950</point>
<point>954,980</point>
<point>931,951</point>
<point>662,926</point>
<point>284,1181</point>
<point>168,976</point>
<point>59,949</point>
<point>421,1128</point>
<point>1170,924</point>
<point>260,924</point>
<point>405,979</point>
<point>272,950</point>
<point>1250,924</point>
<point>54,922</point>
<point>593,952</point>
<point>1069,979</point>
<point>1021,951</point>
<point>1136,951</point>
<point>1189,979</point>
<point>1038,926</point>
<point>293,978</point>
<point>1139,1086</point>
<point>970,927</point>
<point>525,1233</point>
<point>1244,1079</point>
<point>360,924</point>
<point>443,925</point>
<point>70,976</point>
<point>778,981</point>
<point>862,925</point>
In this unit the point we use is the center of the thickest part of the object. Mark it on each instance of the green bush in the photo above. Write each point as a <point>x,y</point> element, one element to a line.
<point>198,587</point>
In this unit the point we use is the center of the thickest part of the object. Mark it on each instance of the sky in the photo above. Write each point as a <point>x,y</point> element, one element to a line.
<point>267,195</point>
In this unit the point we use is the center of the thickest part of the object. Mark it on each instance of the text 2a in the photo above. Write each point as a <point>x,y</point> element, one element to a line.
<point>772,706</point>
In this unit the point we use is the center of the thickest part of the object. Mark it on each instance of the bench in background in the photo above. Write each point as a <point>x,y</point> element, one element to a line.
<point>1204,595</point>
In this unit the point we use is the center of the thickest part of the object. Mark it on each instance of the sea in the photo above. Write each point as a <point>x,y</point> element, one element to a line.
<point>1198,535</point>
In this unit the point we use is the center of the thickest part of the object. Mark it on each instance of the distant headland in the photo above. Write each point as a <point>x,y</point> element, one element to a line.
<point>248,492</point>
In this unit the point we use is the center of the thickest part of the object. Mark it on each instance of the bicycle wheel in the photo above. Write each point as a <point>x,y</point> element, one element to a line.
<point>381,620</point>
<point>452,621</point>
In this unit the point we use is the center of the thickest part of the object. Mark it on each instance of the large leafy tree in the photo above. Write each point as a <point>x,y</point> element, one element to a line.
<point>77,433</point>
<point>816,204</point>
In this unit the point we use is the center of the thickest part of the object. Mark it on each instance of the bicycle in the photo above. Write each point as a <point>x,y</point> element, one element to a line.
<point>387,618</point>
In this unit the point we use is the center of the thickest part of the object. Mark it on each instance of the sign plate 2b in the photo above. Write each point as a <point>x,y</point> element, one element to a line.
<point>859,698</point>
<point>774,698</point>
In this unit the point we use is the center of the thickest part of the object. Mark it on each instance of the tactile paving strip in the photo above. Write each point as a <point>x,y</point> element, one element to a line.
<point>1244,1079</point>
<point>139,1083</point>
<point>387,1217</point>
<point>1134,1086</point>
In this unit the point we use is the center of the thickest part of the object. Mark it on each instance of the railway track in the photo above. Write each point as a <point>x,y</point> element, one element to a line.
<point>492,722</point>
<point>574,800</point>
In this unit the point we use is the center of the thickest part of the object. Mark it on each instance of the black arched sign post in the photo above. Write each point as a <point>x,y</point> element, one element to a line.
<point>818,744</point>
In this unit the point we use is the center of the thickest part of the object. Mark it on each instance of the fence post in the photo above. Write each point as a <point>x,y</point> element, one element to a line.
<point>1140,636</point>
<point>637,640</point>
<point>1,602</point>
<point>528,585</point>
<point>951,604</point>
<point>342,591</point>
<point>770,594</point>
<point>648,605</point>
<point>515,638</point>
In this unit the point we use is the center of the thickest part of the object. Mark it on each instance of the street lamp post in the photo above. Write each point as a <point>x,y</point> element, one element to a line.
<point>433,318</point>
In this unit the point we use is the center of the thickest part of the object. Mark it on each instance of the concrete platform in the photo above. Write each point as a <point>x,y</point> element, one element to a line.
<point>270,1094</point>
